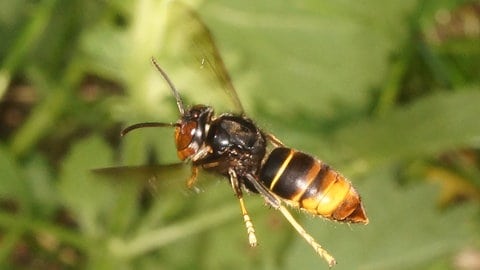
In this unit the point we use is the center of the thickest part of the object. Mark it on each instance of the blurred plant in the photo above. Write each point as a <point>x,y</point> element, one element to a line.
<point>372,88</point>
<point>442,58</point>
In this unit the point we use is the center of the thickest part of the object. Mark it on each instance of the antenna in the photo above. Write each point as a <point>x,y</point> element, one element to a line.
<point>180,106</point>
<point>144,125</point>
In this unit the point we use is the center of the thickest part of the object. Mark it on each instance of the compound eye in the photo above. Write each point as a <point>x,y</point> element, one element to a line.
<point>184,139</point>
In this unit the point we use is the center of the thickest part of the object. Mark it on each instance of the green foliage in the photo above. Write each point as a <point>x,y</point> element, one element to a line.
<point>369,87</point>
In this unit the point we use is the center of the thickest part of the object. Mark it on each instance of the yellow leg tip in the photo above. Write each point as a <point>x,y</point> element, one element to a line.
<point>252,240</point>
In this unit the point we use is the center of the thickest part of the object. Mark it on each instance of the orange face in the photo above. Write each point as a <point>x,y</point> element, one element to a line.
<point>190,131</point>
<point>184,139</point>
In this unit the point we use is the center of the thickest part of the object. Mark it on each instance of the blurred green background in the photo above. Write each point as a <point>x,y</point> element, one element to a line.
<point>387,92</point>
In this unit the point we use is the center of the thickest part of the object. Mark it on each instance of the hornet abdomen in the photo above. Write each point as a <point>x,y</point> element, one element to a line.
<point>311,185</point>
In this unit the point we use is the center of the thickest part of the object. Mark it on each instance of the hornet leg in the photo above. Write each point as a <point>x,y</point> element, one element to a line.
<point>193,177</point>
<point>252,239</point>
<point>275,202</point>
<point>275,141</point>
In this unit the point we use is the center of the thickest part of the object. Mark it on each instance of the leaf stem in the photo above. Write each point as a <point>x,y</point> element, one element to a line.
<point>163,236</point>
<point>21,224</point>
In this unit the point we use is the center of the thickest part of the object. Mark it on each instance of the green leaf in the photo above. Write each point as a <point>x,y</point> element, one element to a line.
<point>12,183</point>
<point>103,46</point>
<point>315,55</point>
<point>429,126</point>
<point>88,198</point>
<point>39,177</point>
